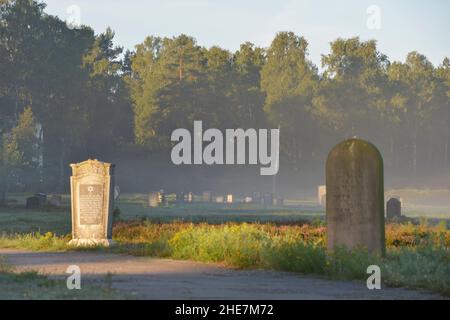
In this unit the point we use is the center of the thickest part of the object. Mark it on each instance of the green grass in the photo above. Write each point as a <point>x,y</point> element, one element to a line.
<point>31,285</point>
<point>425,266</point>
<point>35,242</point>
<point>18,220</point>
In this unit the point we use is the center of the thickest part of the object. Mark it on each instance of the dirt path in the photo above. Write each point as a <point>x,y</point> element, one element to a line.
<point>151,278</point>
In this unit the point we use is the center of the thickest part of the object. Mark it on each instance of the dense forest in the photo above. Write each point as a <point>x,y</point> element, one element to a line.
<point>69,93</point>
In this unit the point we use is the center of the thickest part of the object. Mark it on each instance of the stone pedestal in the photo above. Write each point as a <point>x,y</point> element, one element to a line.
<point>92,199</point>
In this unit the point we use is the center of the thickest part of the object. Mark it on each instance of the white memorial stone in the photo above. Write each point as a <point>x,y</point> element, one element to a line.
<point>92,200</point>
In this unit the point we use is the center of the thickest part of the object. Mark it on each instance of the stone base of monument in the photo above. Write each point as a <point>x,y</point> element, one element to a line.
<point>91,242</point>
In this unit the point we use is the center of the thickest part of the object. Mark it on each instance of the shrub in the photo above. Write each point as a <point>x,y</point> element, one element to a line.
<point>295,256</point>
<point>238,245</point>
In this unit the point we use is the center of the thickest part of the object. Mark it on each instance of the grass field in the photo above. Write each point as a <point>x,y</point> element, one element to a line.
<point>15,219</point>
<point>33,286</point>
<point>289,238</point>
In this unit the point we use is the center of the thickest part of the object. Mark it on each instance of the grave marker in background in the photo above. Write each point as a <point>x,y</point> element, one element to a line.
<point>321,194</point>
<point>180,197</point>
<point>393,208</point>
<point>206,196</point>
<point>278,201</point>
<point>268,199</point>
<point>161,198</point>
<point>37,201</point>
<point>32,203</point>
<point>153,199</point>
<point>256,196</point>
<point>116,192</point>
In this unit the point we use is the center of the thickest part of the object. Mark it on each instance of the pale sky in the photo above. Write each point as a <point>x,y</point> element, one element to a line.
<point>405,25</point>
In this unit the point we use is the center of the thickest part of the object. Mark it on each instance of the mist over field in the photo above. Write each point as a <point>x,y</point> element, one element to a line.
<point>70,93</point>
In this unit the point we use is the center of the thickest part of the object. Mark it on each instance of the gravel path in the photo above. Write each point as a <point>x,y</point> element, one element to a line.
<point>153,278</point>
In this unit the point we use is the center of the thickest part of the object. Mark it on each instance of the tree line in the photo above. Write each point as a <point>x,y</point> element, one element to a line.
<point>69,93</point>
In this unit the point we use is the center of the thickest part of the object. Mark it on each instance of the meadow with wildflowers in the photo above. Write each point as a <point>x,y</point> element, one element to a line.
<point>417,255</point>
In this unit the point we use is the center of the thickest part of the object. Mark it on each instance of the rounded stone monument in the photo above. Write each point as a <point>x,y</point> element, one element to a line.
<point>393,208</point>
<point>355,197</point>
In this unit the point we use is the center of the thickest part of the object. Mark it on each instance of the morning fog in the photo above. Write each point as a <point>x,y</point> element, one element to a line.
<point>235,151</point>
